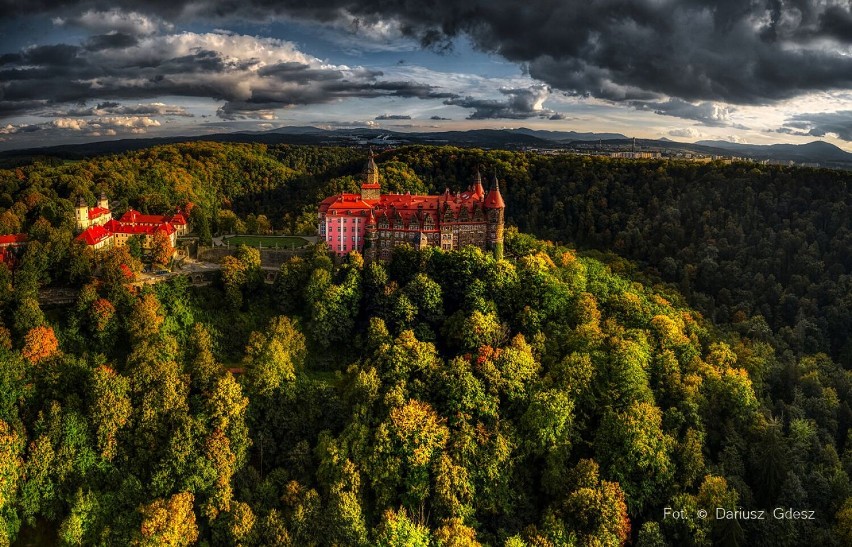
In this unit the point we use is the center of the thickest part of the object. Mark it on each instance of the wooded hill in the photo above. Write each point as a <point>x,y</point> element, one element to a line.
<point>555,397</point>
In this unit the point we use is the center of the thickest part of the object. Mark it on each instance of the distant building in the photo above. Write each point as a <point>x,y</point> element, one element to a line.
<point>635,155</point>
<point>374,223</point>
<point>11,248</point>
<point>99,230</point>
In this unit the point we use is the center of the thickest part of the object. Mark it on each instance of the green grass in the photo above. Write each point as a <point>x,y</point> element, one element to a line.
<point>284,242</point>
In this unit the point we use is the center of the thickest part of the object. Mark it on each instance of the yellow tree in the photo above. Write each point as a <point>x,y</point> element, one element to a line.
<point>161,248</point>
<point>11,465</point>
<point>110,408</point>
<point>145,318</point>
<point>408,449</point>
<point>168,522</point>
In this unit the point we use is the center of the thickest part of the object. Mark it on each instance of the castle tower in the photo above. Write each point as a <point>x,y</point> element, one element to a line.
<point>370,188</point>
<point>495,207</point>
<point>477,188</point>
<point>81,214</point>
<point>103,202</point>
<point>371,239</point>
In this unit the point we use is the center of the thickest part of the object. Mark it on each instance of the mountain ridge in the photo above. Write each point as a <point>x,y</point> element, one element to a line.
<point>817,152</point>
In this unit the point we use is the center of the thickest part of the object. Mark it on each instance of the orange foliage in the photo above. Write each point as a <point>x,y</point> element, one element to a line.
<point>102,313</point>
<point>39,344</point>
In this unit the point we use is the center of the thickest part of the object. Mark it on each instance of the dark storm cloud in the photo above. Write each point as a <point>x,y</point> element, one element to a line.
<point>520,104</point>
<point>393,117</point>
<point>253,75</point>
<point>439,118</point>
<point>113,40</point>
<point>109,108</point>
<point>303,74</point>
<point>240,110</point>
<point>820,124</point>
<point>753,52</point>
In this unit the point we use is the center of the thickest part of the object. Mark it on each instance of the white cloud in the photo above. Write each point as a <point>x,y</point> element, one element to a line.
<point>686,132</point>
<point>114,125</point>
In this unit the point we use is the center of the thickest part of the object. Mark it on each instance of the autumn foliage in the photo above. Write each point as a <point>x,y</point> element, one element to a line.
<point>40,343</point>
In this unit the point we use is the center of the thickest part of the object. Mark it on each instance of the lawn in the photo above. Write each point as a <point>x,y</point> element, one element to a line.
<point>284,242</point>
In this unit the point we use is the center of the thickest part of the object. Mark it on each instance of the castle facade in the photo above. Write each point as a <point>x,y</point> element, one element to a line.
<point>374,224</point>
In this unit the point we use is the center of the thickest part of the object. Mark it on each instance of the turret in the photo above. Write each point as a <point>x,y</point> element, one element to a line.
<point>81,214</point>
<point>370,188</point>
<point>495,208</point>
<point>103,202</point>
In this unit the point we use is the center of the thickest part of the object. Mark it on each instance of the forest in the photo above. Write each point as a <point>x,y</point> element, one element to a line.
<point>659,335</point>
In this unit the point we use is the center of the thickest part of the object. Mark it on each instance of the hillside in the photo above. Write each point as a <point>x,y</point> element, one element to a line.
<point>693,353</point>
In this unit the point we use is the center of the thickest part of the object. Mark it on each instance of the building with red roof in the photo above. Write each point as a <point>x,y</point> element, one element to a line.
<point>374,223</point>
<point>86,216</point>
<point>11,247</point>
<point>104,231</point>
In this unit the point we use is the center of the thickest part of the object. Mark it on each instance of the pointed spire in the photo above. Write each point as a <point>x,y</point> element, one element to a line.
<point>371,168</point>
<point>494,200</point>
<point>478,190</point>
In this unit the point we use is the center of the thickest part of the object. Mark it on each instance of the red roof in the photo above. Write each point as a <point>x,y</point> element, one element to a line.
<point>11,239</point>
<point>345,202</point>
<point>178,218</point>
<point>96,212</point>
<point>94,235</point>
<point>120,227</point>
<point>406,206</point>
<point>133,216</point>
<point>494,200</point>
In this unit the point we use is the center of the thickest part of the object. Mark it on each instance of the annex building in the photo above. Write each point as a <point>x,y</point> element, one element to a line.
<point>99,230</point>
<point>374,224</point>
<point>11,248</point>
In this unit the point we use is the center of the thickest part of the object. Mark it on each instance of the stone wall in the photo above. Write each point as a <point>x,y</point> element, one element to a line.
<point>269,258</point>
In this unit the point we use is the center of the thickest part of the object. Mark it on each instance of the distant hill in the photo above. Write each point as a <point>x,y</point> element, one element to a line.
<point>566,135</point>
<point>819,152</point>
<point>816,151</point>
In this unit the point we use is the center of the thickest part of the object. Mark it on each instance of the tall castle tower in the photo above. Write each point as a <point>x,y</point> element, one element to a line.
<point>370,188</point>
<point>495,207</point>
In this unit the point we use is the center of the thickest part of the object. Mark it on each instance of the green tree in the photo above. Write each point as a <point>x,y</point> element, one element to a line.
<point>274,356</point>
<point>397,530</point>
<point>634,450</point>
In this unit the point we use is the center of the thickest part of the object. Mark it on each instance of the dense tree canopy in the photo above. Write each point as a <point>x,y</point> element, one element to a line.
<point>555,397</point>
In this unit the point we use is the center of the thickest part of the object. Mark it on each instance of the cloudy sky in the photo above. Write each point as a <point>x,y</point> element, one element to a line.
<point>756,71</point>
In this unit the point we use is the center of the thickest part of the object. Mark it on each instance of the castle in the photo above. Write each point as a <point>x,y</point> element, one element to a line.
<point>374,224</point>
<point>99,230</point>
